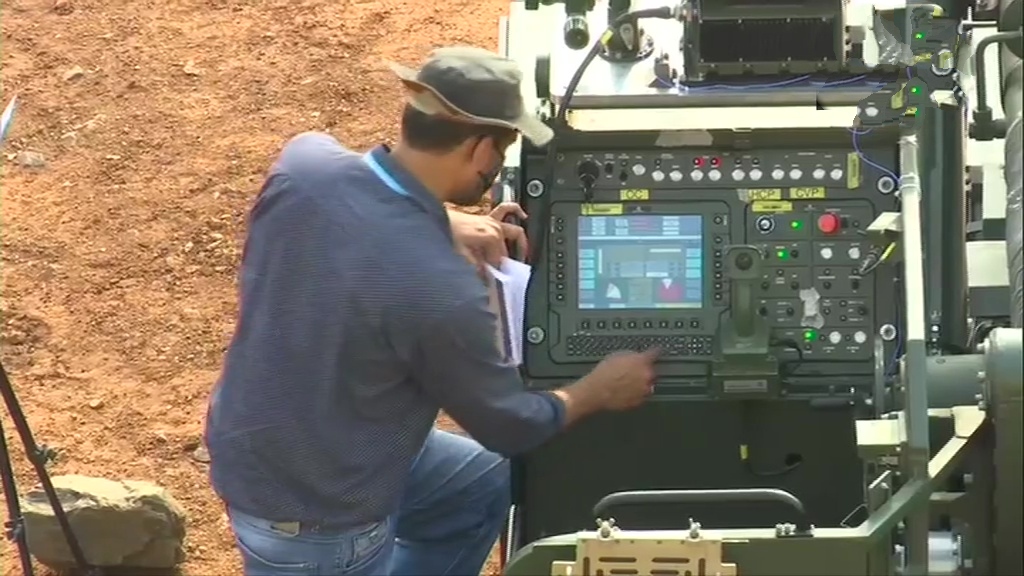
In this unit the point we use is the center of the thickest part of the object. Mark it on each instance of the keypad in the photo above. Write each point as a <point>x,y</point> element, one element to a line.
<point>589,346</point>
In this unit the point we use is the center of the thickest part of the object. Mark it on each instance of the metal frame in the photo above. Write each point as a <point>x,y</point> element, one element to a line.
<point>865,550</point>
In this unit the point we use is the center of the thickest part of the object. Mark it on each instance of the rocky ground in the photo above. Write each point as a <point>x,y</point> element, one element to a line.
<point>144,131</point>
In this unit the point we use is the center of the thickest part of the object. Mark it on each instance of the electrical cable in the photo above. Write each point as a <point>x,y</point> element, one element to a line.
<point>779,84</point>
<point>790,365</point>
<point>685,88</point>
<point>875,258</point>
<point>855,137</point>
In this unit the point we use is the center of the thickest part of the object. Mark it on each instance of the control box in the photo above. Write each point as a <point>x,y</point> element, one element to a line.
<point>633,258</point>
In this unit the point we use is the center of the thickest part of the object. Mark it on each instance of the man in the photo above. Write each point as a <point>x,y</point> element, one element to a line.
<point>359,321</point>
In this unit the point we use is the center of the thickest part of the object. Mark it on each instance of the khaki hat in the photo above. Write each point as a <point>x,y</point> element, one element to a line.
<point>475,86</point>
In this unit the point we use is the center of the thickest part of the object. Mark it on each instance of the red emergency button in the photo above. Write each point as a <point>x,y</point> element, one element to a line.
<point>829,223</point>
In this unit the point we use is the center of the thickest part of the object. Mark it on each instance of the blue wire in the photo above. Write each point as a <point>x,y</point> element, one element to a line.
<point>780,84</point>
<point>771,85</point>
<point>863,158</point>
<point>841,82</point>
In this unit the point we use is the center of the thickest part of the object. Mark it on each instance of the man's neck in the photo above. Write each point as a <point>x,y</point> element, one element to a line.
<point>423,167</point>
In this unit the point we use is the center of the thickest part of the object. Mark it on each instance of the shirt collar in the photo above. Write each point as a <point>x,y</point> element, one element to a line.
<point>410,186</point>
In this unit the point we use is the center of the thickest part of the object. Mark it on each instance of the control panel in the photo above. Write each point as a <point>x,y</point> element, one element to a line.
<point>633,258</point>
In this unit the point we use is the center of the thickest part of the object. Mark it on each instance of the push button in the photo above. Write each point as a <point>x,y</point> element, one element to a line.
<point>829,223</point>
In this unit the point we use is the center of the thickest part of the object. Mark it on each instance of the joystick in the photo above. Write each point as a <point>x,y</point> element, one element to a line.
<point>744,366</point>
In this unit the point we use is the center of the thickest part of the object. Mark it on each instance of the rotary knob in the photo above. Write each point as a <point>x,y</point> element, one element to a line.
<point>588,172</point>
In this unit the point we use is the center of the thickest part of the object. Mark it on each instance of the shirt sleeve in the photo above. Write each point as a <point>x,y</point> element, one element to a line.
<point>460,365</point>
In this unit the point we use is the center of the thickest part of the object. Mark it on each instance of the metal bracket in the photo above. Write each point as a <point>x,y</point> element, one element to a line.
<point>625,552</point>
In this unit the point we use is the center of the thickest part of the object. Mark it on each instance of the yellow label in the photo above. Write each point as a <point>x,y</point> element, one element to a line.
<point>634,195</point>
<point>755,194</point>
<point>601,209</point>
<point>896,102</point>
<point>815,193</point>
<point>764,206</point>
<point>911,111</point>
<point>925,57</point>
<point>853,170</point>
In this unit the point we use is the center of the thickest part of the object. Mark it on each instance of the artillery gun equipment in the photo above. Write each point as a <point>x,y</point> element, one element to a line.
<point>814,208</point>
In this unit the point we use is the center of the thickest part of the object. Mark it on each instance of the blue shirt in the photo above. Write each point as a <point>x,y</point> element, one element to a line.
<point>358,321</point>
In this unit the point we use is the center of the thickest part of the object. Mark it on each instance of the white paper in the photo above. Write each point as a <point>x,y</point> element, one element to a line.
<point>512,278</point>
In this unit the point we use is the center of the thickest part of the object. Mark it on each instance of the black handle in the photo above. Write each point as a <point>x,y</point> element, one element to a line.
<point>652,497</point>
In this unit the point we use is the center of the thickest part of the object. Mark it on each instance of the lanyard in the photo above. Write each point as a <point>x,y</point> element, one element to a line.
<point>383,175</point>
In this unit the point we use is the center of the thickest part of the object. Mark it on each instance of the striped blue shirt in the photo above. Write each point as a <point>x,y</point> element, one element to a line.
<point>358,322</point>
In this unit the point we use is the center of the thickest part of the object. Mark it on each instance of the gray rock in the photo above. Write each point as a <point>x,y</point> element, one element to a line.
<point>118,523</point>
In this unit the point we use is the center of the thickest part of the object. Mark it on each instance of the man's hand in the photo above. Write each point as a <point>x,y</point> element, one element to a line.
<point>621,381</point>
<point>484,238</point>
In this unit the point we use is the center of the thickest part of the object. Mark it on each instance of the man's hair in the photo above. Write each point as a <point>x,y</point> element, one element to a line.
<point>434,134</point>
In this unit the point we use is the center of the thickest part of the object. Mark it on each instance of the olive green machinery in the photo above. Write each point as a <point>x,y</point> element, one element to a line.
<point>938,432</point>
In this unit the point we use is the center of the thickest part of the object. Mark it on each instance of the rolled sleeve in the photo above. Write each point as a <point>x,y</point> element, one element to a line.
<point>460,366</point>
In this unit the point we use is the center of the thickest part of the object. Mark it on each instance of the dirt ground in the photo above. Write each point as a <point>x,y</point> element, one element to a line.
<point>145,127</point>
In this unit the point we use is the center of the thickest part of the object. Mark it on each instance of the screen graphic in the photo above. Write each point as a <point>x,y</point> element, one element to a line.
<point>640,262</point>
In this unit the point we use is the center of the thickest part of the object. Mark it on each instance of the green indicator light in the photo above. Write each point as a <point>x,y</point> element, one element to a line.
<point>915,90</point>
<point>919,36</point>
<point>781,254</point>
<point>809,335</point>
<point>796,225</point>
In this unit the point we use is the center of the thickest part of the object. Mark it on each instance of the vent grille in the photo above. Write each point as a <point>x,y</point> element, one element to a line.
<point>768,40</point>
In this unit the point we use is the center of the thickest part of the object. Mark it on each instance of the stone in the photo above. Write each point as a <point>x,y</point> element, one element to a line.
<point>124,524</point>
<point>30,159</point>
<point>74,73</point>
<point>63,7</point>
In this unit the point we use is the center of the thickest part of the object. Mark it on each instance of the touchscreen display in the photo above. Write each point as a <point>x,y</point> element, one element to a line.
<point>640,262</point>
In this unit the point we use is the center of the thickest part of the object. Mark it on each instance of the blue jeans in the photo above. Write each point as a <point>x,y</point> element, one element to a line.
<point>453,510</point>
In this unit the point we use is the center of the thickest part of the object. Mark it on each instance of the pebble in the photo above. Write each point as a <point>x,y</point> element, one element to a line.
<point>201,454</point>
<point>30,159</point>
<point>74,74</point>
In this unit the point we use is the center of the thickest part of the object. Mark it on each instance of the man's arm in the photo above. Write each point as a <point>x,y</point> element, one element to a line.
<point>458,364</point>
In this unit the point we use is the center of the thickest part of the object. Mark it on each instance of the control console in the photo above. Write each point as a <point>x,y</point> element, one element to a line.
<point>636,254</point>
